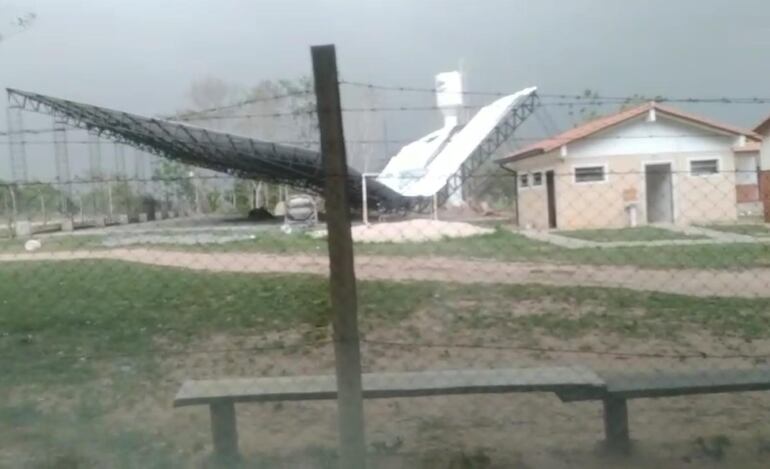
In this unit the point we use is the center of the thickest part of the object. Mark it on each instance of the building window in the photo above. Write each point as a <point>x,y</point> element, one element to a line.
<point>537,179</point>
<point>524,181</point>
<point>704,167</point>
<point>590,174</point>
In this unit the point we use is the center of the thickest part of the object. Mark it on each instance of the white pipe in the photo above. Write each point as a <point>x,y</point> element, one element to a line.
<point>365,206</point>
<point>363,200</point>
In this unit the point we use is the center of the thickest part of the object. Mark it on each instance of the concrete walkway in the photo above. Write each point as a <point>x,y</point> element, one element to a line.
<point>707,237</point>
<point>748,283</point>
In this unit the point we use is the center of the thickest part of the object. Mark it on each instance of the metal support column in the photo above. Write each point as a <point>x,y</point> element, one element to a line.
<point>96,173</point>
<point>61,155</point>
<point>120,161</point>
<point>16,147</point>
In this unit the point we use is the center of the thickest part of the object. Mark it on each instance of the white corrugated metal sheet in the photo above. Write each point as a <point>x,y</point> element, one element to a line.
<point>423,167</point>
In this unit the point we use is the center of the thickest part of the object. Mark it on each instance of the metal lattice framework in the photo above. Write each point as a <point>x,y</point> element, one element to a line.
<point>16,144</point>
<point>486,150</point>
<point>227,153</point>
<point>250,158</point>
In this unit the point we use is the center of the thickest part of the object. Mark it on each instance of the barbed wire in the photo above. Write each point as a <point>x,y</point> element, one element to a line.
<point>525,348</point>
<point>352,178</point>
<point>580,98</point>
<point>400,141</point>
<point>84,355</point>
<point>239,104</point>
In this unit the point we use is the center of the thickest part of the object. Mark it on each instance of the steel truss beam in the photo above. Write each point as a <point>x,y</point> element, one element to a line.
<point>234,155</point>
<point>483,153</point>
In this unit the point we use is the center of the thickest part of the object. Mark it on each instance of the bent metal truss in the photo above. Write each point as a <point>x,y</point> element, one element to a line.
<point>247,157</point>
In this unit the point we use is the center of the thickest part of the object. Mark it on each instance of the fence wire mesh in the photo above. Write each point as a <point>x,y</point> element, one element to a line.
<point>530,326</point>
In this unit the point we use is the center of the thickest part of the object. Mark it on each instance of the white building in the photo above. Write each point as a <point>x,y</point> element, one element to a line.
<point>648,164</point>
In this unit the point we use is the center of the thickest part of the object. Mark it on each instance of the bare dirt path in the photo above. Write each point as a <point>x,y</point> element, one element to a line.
<point>747,283</point>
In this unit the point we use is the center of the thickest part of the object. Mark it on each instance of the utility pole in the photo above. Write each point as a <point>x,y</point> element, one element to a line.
<point>342,278</point>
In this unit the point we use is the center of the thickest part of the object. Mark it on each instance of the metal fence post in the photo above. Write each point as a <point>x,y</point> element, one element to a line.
<point>342,280</point>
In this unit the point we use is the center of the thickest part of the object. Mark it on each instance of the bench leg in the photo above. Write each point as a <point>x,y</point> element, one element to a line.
<point>616,424</point>
<point>224,431</point>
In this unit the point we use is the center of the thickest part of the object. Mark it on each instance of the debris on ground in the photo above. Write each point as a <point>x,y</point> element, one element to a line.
<point>260,214</point>
<point>411,231</point>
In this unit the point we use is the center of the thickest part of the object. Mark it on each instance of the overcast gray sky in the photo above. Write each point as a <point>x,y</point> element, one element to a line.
<point>141,55</point>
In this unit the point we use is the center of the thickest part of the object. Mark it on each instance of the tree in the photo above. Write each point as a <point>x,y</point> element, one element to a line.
<point>176,182</point>
<point>18,24</point>
<point>209,92</point>
<point>587,110</point>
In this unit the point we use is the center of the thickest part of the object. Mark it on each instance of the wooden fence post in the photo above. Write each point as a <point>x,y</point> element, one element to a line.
<point>342,279</point>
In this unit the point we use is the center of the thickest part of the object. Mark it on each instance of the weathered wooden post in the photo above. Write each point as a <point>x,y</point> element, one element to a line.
<point>342,279</point>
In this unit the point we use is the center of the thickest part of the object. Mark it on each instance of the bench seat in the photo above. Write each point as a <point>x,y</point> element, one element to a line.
<point>221,395</point>
<point>621,386</point>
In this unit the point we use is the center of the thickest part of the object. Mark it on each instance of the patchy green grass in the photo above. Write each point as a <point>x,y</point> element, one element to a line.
<point>61,319</point>
<point>79,437</point>
<point>53,243</point>
<point>570,312</point>
<point>90,309</point>
<point>743,229</point>
<point>67,329</point>
<point>642,233</point>
<point>502,245</point>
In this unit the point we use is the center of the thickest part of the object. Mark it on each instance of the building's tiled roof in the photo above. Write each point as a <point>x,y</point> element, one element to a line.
<point>603,123</point>
<point>763,128</point>
<point>748,148</point>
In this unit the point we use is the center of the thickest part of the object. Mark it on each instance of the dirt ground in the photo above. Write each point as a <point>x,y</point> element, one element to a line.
<point>444,432</point>
<point>514,430</point>
<point>531,430</point>
<point>745,283</point>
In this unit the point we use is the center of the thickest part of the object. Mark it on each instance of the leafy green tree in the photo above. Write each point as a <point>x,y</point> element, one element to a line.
<point>176,182</point>
<point>20,23</point>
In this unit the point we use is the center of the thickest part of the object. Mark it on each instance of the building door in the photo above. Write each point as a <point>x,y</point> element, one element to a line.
<point>659,193</point>
<point>550,189</point>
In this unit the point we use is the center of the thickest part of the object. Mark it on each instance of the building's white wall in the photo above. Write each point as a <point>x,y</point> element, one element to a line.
<point>764,154</point>
<point>533,201</point>
<point>746,168</point>
<point>664,135</point>
<point>624,151</point>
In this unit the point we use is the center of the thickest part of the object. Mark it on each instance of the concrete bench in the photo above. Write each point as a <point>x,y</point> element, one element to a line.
<point>623,386</point>
<point>221,395</point>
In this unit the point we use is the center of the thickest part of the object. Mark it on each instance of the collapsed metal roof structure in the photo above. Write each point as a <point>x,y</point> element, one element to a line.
<point>252,158</point>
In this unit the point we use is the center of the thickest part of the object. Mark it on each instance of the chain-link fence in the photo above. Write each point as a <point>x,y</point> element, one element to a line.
<point>595,299</point>
<point>554,316</point>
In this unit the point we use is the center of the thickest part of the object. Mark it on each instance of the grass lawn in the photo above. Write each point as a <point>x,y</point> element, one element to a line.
<point>69,329</point>
<point>54,243</point>
<point>642,233</point>
<point>744,229</point>
<point>502,245</point>
<point>53,312</point>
